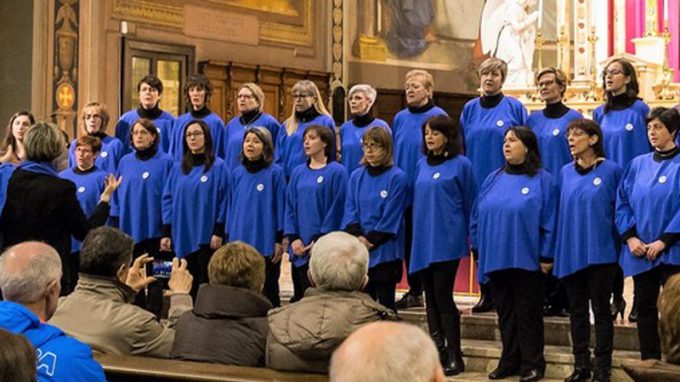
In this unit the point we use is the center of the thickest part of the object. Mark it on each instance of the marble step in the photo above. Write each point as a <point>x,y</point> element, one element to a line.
<point>481,356</point>
<point>481,377</point>
<point>484,326</point>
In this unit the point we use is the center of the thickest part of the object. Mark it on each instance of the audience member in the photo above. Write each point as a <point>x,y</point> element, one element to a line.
<point>229,321</point>
<point>98,311</point>
<point>17,358</point>
<point>387,352</point>
<point>29,279</point>
<point>302,336</point>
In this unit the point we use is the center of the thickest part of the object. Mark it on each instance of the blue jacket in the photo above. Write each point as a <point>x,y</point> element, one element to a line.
<point>60,357</point>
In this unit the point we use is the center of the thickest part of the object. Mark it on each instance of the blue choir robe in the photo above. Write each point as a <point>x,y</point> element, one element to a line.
<point>137,201</point>
<point>163,125</point>
<point>6,171</point>
<point>442,205</point>
<point>624,132</point>
<point>586,233</point>
<point>109,156</point>
<point>257,207</point>
<point>351,138</point>
<point>377,203</point>
<point>552,139</point>
<point>177,141</point>
<point>290,148</point>
<point>315,202</point>
<point>407,129</point>
<point>649,200</point>
<point>89,188</point>
<point>194,203</point>
<point>233,136</point>
<point>484,130</point>
<point>513,221</point>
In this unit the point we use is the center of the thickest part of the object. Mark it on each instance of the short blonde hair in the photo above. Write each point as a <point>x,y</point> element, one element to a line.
<point>560,77</point>
<point>492,64</point>
<point>257,93</point>
<point>428,80</point>
<point>102,111</point>
<point>44,142</point>
<point>239,265</point>
<point>382,137</point>
<point>669,320</point>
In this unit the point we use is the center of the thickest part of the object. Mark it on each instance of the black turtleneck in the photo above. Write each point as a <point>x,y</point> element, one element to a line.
<point>198,159</point>
<point>585,170</point>
<point>254,166</point>
<point>147,153</point>
<point>489,102</point>
<point>307,115</point>
<point>149,114</point>
<point>435,160</point>
<point>555,110</point>
<point>201,113</point>
<point>620,102</point>
<point>99,134</point>
<point>665,155</point>
<point>250,116</point>
<point>377,170</point>
<point>516,169</point>
<point>77,170</point>
<point>421,109</point>
<point>362,120</point>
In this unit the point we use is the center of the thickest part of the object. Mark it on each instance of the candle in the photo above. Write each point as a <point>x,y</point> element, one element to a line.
<point>665,11</point>
<point>540,14</point>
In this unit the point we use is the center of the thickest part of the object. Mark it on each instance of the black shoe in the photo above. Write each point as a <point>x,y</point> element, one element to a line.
<point>601,375</point>
<point>579,375</point>
<point>454,365</point>
<point>410,300</point>
<point>501,373</point>
<point>618,307</point>
<point>531,375</point>
<point>633,316</point>
<point>485,303</point>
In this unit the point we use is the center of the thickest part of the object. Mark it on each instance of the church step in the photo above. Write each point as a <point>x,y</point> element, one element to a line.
<point>484,326</point>
<point>482,377</point>
<point>482,356</point>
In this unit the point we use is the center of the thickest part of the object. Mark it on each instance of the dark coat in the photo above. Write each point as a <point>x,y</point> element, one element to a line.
<point>228,325</point>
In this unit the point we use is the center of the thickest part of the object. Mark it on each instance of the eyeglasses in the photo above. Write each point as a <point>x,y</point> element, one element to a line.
<point>194,135</point>
<point>301,95</point>
<point>613,72</point>
<point>91,116</point>
<point>371,146</point>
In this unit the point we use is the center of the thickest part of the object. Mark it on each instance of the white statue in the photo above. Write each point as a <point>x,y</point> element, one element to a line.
<point>508,32</point>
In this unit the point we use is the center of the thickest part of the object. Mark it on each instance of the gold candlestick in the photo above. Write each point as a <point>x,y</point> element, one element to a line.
<point>539,46</point>
<point>592,89</point>
<point>666,72</point>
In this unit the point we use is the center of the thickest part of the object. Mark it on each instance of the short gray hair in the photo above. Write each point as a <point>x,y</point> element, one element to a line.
<point>28,283</point>
<point>338,262</point>
<point>368,91</point>
<point>406,354</point>
<point>44,142</point>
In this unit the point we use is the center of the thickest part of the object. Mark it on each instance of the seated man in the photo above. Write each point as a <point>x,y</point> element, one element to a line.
<point>303,335</point>
<point>669,320</point>
<point>387,352</point>
<point>99,312</point>
<point>30,275</point>
<point>229,321</point>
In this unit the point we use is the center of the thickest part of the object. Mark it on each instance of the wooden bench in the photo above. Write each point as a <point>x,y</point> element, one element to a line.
<point>133,369</point>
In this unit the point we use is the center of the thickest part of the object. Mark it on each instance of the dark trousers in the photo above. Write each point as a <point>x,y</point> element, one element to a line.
<point>518,295</point>
<point>443,317</point>
<point>618,284</point>
<point>382,282</point>
<point>300,281</point>
<point>197,264</point>
<point>151,299</point>
<point>414,283</point>
<point>69,278</point>
<point>594,285</point>
<point>271,281</point>
<point>555,292</point>
<point>646,294</point>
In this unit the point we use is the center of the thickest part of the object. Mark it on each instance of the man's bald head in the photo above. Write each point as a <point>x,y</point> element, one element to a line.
<point>386,351</point>
<point>27,270</point>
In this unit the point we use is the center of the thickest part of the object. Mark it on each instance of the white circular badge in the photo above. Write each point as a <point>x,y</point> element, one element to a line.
<point>319,179</point>
<point>383,194</point>
<point>81,189</point>
<point>500,123</point>
<point>436,175</point>
<point>629,127</point>
<point>103,154</point>
<point>597,181</point>
<point>260,187</point>
<point>145,175</point>
<point>525,190</point>
<point>663,179</point>
<point>204,178</point>
<point>556,132</point>
<point>159,130</point>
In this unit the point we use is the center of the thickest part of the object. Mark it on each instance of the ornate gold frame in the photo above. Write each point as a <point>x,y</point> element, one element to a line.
<point>145,11</point>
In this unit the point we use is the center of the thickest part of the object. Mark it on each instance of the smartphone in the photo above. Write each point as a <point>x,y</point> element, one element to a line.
<point>162,269</point>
